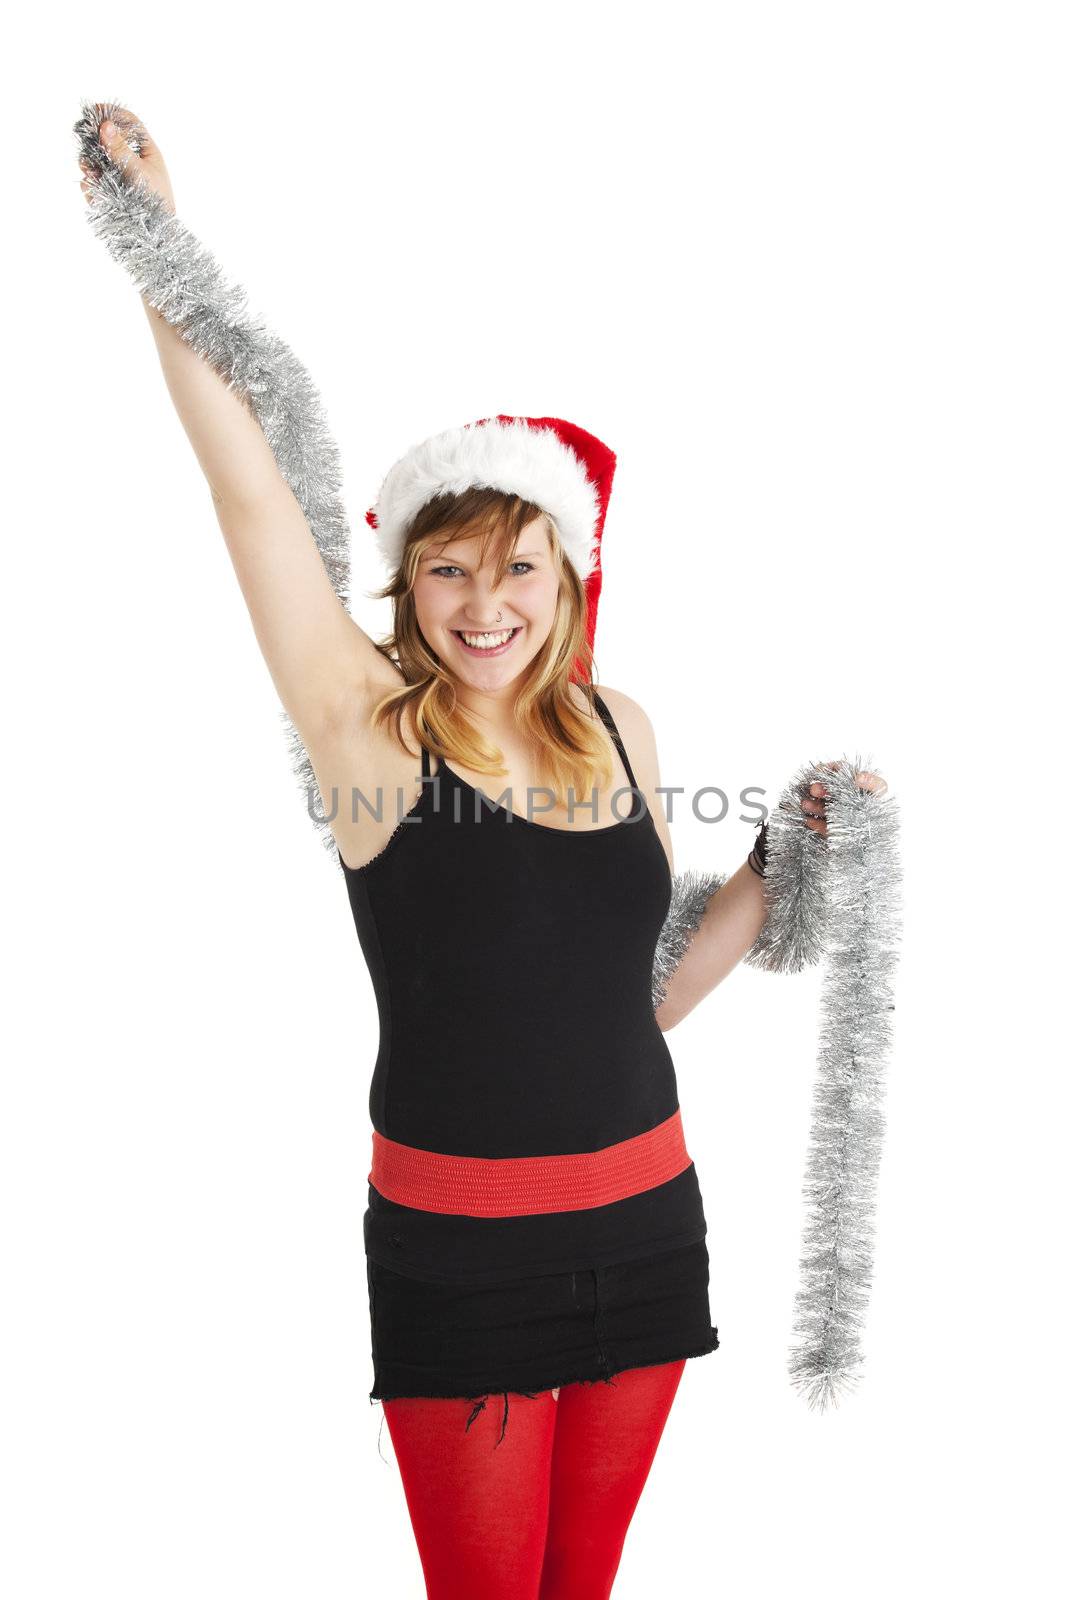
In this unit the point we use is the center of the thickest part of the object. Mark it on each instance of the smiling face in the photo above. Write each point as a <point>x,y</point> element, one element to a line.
<point>487,637</point>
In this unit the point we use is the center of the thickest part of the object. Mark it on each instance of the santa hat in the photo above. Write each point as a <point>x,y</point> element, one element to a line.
<point>555,465</point>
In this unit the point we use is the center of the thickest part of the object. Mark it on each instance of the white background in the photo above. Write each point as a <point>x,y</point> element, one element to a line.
<point>803,268</point>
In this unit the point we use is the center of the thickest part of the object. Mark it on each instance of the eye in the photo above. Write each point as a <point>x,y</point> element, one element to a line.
<point>441,571</point>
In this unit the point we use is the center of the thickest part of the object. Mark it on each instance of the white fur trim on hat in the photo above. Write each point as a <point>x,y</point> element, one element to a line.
<point>514,457</point>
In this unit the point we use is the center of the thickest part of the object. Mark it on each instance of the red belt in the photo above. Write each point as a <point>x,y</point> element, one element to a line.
<point>523,1186</point>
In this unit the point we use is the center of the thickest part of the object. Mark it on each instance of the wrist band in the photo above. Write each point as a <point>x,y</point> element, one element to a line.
<point>757,856</point>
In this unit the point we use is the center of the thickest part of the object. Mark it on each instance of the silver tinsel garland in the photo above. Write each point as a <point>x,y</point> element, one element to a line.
<point>690,894</point>
<point>834,899</point>
<point>829,899</point>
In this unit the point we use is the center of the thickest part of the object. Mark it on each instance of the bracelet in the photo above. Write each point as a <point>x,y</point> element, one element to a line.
<point>757,856</point>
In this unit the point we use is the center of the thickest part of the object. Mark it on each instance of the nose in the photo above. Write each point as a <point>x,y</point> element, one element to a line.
<point>483,609</point>
<point>484,617</point>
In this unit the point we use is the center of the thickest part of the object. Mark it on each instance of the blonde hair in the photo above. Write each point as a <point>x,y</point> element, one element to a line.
<point>573,750</point>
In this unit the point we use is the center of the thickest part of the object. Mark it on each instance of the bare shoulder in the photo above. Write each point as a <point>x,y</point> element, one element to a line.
<point>631,719</point>
<point>637,734</point>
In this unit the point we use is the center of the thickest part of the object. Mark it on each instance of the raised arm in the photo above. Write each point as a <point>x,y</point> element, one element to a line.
<point>320,660</point>
<point>316,654</point>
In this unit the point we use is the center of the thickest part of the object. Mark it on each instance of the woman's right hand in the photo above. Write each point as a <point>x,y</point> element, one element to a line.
<point>139,156</point>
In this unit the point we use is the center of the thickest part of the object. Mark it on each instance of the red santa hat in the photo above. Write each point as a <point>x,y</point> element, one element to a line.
<point>553,464</point>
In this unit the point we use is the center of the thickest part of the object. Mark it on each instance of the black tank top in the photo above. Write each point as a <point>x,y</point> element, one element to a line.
<point>512,967</point>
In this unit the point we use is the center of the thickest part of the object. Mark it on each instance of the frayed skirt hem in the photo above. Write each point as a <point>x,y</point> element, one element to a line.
<point>464,1389</point>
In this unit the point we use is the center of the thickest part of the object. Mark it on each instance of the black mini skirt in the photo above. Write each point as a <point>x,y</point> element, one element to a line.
<point>527,1335</point>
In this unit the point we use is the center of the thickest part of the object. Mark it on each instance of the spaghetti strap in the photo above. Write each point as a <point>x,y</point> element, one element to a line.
<point>609,720</point>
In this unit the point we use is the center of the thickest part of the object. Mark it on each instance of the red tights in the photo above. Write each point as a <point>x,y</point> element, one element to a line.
<point>540,1513</point>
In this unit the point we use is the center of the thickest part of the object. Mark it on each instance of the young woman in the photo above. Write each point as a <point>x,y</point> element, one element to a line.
<point>535,1237</point>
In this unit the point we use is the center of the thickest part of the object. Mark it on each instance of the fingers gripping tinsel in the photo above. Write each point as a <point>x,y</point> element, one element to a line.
<point>178,276</point>
<point>834,899</point>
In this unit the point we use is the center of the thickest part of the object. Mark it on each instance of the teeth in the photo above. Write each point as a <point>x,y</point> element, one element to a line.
<point>486,641</point>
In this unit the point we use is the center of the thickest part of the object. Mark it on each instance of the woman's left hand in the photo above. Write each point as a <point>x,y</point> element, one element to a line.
<point>814,808</point>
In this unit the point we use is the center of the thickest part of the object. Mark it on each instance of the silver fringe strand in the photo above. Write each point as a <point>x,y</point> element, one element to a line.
<point>179,277</point>
<point>690,893</point>
<point>832,898</point>
<point>860,907</point>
